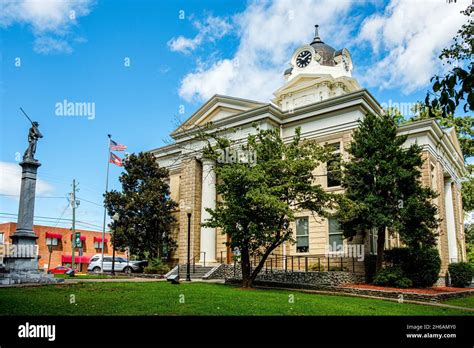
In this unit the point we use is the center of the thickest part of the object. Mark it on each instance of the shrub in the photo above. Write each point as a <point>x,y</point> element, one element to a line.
<point>461,274</point>
<point>156,266</point>
<point>421,265</point>
<point>392,276</point>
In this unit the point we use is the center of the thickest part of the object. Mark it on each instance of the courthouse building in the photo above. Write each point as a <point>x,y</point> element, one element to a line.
<point>320,96</point>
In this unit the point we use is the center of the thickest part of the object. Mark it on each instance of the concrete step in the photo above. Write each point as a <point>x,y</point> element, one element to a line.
<point>198,273</point>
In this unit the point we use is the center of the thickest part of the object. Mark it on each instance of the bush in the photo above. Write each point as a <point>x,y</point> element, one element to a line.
<point>421,266</point>
<point>156,266</point>
<point>392,276</point>
<point>461,274</point>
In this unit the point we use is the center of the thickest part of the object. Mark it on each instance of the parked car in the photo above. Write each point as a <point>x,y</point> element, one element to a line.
<point>121,264</point>
<point>61,270</point>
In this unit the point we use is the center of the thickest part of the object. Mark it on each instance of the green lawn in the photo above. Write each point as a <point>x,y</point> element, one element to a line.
<point>467,301</point>
<point>163,298</point>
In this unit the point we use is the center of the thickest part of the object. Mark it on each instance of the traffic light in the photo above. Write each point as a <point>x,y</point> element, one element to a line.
<point>77,239</point>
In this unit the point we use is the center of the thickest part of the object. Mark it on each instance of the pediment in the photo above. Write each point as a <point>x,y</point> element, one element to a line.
<point>215,109</point>
<point>454,139</point>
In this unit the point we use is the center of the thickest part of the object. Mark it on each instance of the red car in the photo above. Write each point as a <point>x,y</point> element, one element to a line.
<point>60,270</point>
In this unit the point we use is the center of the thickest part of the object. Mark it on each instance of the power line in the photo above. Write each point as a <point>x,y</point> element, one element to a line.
<point>55,197</point>
<point>48,219</point>
<point>85,200</point>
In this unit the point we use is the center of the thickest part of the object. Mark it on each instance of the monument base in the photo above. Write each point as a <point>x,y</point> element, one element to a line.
<point>24,271</point>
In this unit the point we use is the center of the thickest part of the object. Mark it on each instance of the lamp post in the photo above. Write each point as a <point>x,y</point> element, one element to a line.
<point>115,218</point>
<point>189,212</point>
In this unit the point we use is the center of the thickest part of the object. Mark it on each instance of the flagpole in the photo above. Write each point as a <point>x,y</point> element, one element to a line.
<point>105,208</point>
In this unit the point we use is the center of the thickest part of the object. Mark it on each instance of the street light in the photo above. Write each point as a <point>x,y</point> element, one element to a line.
<point>189,212</point>
<point>115,218</point>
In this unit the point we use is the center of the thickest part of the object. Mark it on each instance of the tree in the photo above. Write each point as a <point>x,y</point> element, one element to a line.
<point>468,192</point>
<point>458,83</point>
<point>144,208</point>
<point>260,198</point>
<point>383,191</point>
<point>469,233</point>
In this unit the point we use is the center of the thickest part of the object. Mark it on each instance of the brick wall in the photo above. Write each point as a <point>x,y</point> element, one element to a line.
<point>64,244</point>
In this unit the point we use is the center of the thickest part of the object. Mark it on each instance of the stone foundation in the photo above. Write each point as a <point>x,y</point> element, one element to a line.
<point>28,277</point>
<point>332,278</point>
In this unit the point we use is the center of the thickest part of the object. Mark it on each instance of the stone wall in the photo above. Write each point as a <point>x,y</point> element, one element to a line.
<point>280,276</point>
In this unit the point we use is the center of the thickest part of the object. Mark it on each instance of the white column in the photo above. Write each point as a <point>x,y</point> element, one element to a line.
<point>208,200</point>
<point>450,222</point>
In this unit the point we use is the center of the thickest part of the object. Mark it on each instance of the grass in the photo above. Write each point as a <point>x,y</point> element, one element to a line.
<point>163,298</point>
<point>467,301</point>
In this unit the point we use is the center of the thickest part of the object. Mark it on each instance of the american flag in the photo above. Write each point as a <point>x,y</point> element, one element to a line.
<point>115,160</point>
<point>114,146</point>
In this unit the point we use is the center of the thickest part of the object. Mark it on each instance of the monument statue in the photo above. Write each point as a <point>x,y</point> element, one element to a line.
<point>21,266</point>
<point>33,136</point>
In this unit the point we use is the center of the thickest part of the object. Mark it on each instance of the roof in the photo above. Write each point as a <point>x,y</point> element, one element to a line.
<point>325,51</point>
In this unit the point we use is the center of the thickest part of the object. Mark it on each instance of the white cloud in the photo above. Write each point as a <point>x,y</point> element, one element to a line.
<point>268,32</point>
<point>10,181</point>
<point>212,29</point>
<point>410,36</point>
<point>51,21</point>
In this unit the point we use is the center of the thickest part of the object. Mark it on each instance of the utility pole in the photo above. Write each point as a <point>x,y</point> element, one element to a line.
<point>74,205</point>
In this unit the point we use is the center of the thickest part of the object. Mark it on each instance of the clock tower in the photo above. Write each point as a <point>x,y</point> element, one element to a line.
<point>317,72</point>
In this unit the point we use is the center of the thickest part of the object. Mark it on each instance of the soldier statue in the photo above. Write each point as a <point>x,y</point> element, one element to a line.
<point>33,136</point>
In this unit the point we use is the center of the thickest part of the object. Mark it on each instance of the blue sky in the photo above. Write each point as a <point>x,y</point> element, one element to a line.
<point>180,54</point>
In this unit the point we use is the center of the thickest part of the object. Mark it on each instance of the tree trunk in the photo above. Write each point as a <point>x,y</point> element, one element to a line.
<point>245,265</point>
<point>380,248</point>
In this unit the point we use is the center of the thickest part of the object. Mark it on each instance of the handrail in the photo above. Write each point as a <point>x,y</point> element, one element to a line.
<point>193,260</point>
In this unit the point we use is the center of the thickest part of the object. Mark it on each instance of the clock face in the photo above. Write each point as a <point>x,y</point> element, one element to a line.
<point>303,59</point>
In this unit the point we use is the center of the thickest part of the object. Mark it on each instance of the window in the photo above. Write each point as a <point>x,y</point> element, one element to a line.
<point>97,244</point>
<point>94,259</point>
<point>2,238</point>
<point>302,235</point>
<point>51,241</point>
<point>107,259</point>
<point>334,165</point>
<point>336,236</point>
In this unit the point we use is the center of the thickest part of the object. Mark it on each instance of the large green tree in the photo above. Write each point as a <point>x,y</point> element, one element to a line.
<point>142,211</point>
<point>456,86</point>
<point>383,190</point>
<point>260,198</point>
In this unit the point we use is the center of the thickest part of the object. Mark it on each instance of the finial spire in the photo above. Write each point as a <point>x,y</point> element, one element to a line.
<point>316,39</point>
<point>316,32</point>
